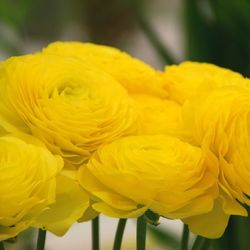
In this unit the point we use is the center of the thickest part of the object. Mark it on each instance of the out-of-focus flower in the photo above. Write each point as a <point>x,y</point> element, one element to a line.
<point>161,173</point>
<point>133,74</point>
<point>158,116</point>
<point>68,104</point>
<point>218,120</point>
<point>185,80</point>
<point>28,183</point>
<point>216,105</point>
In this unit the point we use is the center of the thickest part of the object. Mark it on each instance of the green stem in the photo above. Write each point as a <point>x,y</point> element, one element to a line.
<point>141,233</point>
<point>1,245</point>
<point>201,243</point>
<point>149,31</point>
<point>119,234</point>
<point>206,245</point>
<point>185,237</point>
<point>41,239</point>
<point>95,234</point>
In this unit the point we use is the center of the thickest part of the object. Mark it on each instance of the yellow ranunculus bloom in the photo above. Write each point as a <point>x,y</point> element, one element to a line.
<point>28,183</point>
<point>133,74</point>
<point>146,86</point>
<point>218,120</point>
<point>158,116</point>
<point>157,172</point>
<point>65,102</point>
<point>184,80</point>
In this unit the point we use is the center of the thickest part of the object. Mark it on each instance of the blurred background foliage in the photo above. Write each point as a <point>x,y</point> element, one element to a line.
<point>215,31</point>
<point>159,32</point>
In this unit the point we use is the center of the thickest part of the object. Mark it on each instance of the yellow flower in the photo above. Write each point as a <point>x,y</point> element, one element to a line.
<point>28,183</point>
<point>218,121</point>
<point>71,204</point>
<point>133,74</point>
<point>157,116</point>
<point>145,85</point>
<point>66,103</point>
<point>184,80</point>
<point>158,172</point>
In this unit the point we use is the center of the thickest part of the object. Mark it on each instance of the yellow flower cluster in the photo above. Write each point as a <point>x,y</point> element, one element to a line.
<point>87,129</point>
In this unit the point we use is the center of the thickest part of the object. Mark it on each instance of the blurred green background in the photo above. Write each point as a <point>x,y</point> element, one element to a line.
<point>159,32</point>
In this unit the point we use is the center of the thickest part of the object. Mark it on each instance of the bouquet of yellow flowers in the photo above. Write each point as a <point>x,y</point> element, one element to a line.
<point>87,130</point>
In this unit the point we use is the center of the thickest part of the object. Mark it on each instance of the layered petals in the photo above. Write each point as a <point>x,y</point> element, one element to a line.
<point>158,116</point>
<point>66,103</point>
<point>28,183</point>
<point>219,121</point>
<point>185,80</point>
<point>161,173</point>
<point>133,74</point>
